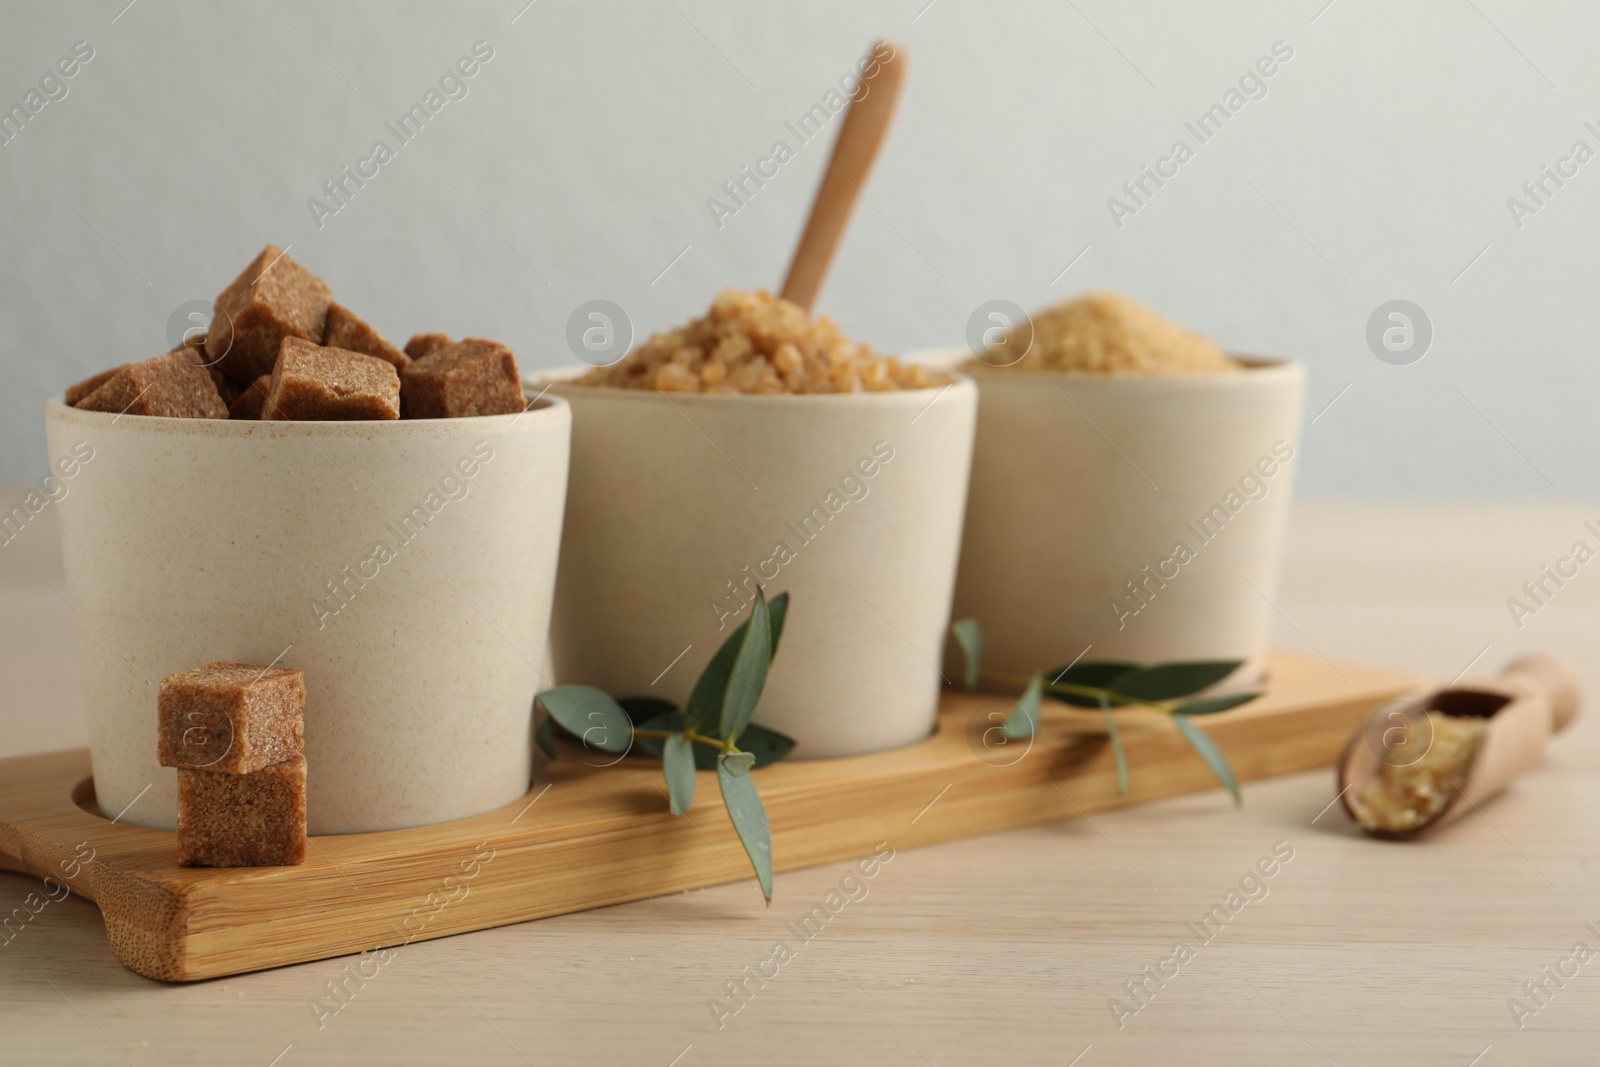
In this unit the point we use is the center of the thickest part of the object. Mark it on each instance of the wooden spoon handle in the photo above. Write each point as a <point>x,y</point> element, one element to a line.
<point>1554,679</point>
<point>865,124</point>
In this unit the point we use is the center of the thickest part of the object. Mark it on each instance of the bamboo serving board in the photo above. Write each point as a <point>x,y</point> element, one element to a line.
<point>585,837</point>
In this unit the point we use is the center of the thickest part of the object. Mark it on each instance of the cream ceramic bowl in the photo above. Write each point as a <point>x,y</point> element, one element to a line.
<point>677,506</point>
<point>406,567</point>
<point>1130,518</point>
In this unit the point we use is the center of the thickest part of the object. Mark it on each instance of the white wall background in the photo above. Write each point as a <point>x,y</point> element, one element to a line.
<point>579,165</point>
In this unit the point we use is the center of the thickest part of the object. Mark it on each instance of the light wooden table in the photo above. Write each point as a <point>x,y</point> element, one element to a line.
<point>1002,950</point>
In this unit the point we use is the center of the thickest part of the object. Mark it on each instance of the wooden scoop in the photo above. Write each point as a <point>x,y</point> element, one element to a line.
<point>866,123</point>
<point>1533,699</point>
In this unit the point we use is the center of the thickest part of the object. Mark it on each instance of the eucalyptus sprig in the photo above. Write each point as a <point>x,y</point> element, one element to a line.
<point>1111,686</point>
<point>712,732</point>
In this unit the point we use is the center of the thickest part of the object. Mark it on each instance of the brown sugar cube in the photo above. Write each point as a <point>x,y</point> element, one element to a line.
<point>423,345</point>
<point>168,386</point>
<point>193,350</point>
<point>475,377</point>
<point>225,388</point>
<point>231,718</point>
<point>346,330</point>
<point>418,347</point>
<point>75,393</point>
<point>243,820</point>
<point>273,298</point>
<point>330,384</point>
<point>250,402</point>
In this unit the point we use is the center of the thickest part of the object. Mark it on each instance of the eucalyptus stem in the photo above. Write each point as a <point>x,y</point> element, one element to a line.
<point>1169,688</point>
<point>713,742</point>
<point>723,699</point>
<point>1117,754</point>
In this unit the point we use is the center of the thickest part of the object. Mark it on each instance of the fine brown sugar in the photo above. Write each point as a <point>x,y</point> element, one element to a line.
<point>311,383</point>
<point>1106,333</point>
<point>473,377</point>
<point>754,342</point>
<point>251,401</point>
<point>273,298</point>
<point>169,386</point>
<point>346,330</point>
<point>422,345</point>
<point>231,718</point>
<point>1420,777</point>
<point>256,819</point>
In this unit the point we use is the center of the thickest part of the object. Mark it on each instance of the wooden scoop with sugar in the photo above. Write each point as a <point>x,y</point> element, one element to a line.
<point>1423,760</point>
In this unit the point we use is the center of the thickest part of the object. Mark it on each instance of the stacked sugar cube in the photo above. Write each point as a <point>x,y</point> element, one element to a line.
<point>235,732</point>
<point>279,348</point>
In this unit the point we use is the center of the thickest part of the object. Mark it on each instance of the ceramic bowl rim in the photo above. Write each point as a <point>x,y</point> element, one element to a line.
<point>558,382</point>
<point>1257,369</point>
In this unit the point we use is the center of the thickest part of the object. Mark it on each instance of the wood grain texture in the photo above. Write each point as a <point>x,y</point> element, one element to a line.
<point>1001,948</point>
<point>589,836</point>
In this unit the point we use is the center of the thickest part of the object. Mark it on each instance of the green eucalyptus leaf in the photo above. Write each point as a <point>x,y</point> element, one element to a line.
<point>969,635</point>
<point>704,708</point>
<point>1168,681</point>
<point>764,743</point>
<point>590,715</point>
<point>1097,674</point>
<point>777,615</point>
<point>749,821</point>
<point>642,709</point>
<point>705,700</point>
<point>677,764</point>
<point>1209,752</point>
<point>1117,755</point>
<point>544,735</point>
<point>738,763</point>
<point>1212,705</point>
<point>1023,722</point>
<point>749,674</point>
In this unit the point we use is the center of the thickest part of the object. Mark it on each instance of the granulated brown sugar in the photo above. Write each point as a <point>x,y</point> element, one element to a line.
<point>754,342</point>
<point>1411,788</point>
<point>1107,333</point>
